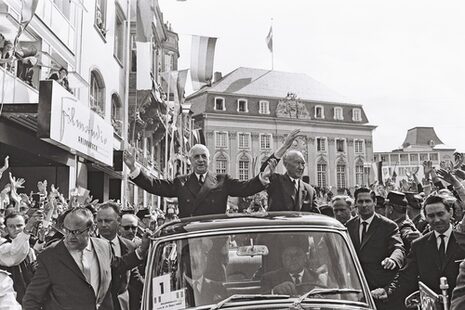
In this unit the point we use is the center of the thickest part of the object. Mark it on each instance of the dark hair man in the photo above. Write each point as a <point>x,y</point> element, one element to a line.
<point>377,242</point>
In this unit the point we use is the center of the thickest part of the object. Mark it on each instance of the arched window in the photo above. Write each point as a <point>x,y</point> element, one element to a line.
<point>116,115</point>
<point>244,168</point>
<point>341,174</point>
<point>221,164</point>
<point>322,173</point>
<point>359,171</point>
<point>97,93</point>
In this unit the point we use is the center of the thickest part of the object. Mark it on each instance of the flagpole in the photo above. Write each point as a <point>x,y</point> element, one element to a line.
<point>167,124</point>
<point>272,46</point>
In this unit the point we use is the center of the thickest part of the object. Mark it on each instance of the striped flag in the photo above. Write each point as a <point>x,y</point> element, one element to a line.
<point>269,40</point>
<point>177,83</point>
<point>202,56</point>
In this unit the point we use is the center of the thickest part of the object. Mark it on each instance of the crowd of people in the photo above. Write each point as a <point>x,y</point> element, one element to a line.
<point>403,232</point>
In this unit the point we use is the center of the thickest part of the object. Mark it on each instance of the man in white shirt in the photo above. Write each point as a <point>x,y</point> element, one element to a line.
<point>432,256</point>
<point>16,255</point>
<point>126,287</point>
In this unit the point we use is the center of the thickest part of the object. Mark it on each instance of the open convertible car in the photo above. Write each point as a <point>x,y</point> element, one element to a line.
<point>277,260</point>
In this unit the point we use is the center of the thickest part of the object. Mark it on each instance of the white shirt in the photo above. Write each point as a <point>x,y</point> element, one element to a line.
<point>204,175</point>
<point>116,246</point>
<point>368,220</point>
<point>295,181</point>
<point>191,282</point>
<point>91,257</point>
<point>301,275</point>
<point>14,252</point>
<point>447,234</point>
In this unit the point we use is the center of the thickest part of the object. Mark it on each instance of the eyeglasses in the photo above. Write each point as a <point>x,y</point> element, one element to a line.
<point>75,232</point>
<point>128,227</point>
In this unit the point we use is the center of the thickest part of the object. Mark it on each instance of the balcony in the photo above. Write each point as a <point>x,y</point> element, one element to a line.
<point>14,90</point>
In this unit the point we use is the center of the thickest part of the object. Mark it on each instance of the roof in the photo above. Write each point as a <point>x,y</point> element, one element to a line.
<point>275,84</point>
<point>421,136</point>
<point>221,221</point>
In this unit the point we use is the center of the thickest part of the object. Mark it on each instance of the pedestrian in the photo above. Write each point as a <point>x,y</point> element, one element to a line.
<point>377,243</point>
<point>341,206</point>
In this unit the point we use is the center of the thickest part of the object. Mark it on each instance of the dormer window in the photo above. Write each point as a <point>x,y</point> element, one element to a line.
<point>357,115</point>
<point>338,114</point>
<point>319,112</point>
<point>242,105</point>
<point>219,104</point>
<point>264,107</point>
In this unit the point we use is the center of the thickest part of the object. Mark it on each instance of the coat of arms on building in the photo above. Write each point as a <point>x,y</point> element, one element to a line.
<point>292,107</point>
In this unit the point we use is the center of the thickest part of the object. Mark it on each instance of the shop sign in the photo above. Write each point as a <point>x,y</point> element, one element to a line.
<point>70,124</point>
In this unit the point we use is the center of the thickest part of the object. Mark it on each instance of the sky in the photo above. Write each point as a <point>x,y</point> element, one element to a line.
<point>404,61</point>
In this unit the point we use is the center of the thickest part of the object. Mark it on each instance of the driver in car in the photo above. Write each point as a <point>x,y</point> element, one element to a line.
<point>293,278</point>
<point>200,289</point>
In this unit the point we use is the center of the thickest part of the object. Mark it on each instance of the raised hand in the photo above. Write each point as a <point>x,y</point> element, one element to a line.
<point>272,163</point>
<point>447,176</point>
<point>16,183</point>
<point>427,167</point>
<point>287,143</point>
<point>5,166</point>
<point>42,187</point>
<point>458,160</point>
<point>129,157</point>
<point>459,173</point>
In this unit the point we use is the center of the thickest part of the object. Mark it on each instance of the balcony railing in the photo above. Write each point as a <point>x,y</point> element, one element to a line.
<point>14,90</point>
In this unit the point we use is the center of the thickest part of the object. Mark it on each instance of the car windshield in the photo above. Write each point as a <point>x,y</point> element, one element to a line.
<point>206,270</point>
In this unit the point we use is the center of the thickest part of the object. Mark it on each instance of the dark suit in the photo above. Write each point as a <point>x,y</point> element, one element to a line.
<point>210,292</point>
<point>382,240</point>
<point>458,295</point>
<point>274,278</point>
<point>130,280</point>
<point>423,264</point>
<point>194,199</point>
<point>59,284</point>
<point>282,195</point>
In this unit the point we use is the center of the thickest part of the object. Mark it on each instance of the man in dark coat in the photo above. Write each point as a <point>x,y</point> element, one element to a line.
<point>377,242</point>
<point>431,257</point>
<point>287,192</point>
<point>201,192</point>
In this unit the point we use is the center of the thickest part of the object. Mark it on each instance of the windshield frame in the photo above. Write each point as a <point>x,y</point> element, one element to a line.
<point>255,229</point>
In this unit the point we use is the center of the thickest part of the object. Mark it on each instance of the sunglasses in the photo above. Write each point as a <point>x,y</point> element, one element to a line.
<point>128,227</point>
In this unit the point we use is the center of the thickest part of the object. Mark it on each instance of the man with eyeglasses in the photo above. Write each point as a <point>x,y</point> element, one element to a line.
<point>377,242</point>
<point>126,287</point>
<point>76,272</point>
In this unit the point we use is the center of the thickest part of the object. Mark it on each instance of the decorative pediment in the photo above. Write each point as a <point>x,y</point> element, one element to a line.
<point>292,107</point>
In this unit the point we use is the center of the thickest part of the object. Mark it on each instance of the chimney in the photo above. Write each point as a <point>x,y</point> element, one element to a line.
<point>217,76</point>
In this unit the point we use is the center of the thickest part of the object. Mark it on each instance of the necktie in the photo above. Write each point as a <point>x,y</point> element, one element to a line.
<point>85,266</point>
<point>296,278</point>
<point>296,207</point>
<point>364,231</point>
<point>112,246</point>
<point>442,248</point>
<point>201,179</point>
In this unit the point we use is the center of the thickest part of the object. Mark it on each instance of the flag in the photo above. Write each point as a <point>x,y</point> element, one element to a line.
<point>269,40</point>
<point>143,77</point>
<point>144,21</point>
<point>177,83</point>
<point>28,8</point>
<point>202,56</point>
<point>380,172</point>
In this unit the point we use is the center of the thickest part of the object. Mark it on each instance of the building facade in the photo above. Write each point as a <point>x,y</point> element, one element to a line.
<point>75,138</point>
<point>246,115</point>
<point>421,144</point>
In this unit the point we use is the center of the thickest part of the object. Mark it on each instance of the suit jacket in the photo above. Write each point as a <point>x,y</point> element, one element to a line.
<point>193,199</point>
<point>283,197</point>
<point>423,264</point>
<point>273,278</point>
<point>211,292</point>
<point>382,240</point>
<point>59,284</point>
<point>458,295</point>
<point>129,280</point>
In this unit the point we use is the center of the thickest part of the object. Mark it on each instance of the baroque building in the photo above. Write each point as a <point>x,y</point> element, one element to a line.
<point>246,115</point>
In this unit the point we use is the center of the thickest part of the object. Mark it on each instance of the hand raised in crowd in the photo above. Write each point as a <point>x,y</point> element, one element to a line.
<point>15,184</point>
<point>379,293</point>
<point>287,143</point>
<point>459,173</point>
<point>36,217</point>
<point>458,160</point>
<point>42,187</point>
<point>447,176</point>
<point>427,168</point>
<point>129,157</point>
<point>388,263</point>
<point>5,166</point>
